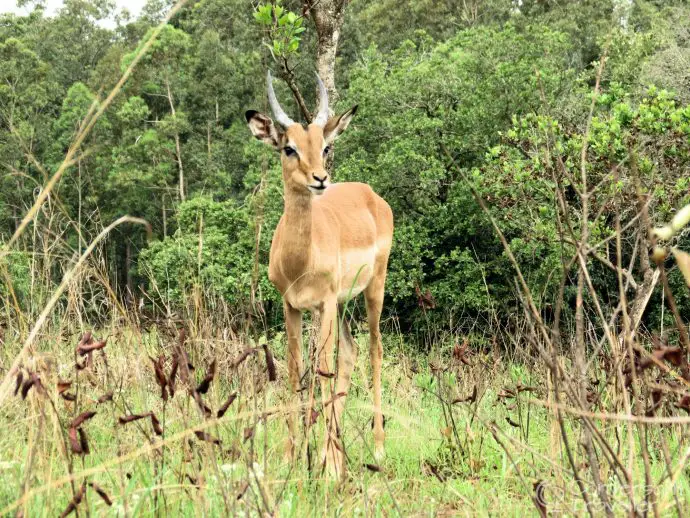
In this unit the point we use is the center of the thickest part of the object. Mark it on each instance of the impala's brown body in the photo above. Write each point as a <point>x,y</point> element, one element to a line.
<point>332,243</point>
<point>330,248</point>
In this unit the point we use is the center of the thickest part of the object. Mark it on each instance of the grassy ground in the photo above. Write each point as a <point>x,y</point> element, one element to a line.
<point>482,460</point>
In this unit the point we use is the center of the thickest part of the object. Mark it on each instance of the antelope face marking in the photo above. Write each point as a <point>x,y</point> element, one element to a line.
<point>303,155</point>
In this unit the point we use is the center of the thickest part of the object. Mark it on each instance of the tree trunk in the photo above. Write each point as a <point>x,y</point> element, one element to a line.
<point>208,142</point>
<point>328,16</point>
<point>165,217</point>
<point>178,150</point>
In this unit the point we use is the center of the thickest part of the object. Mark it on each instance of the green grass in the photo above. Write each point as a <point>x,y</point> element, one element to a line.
<point>474,476</point>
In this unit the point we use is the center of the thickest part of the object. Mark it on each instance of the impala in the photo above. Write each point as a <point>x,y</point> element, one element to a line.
<point>332,243</point>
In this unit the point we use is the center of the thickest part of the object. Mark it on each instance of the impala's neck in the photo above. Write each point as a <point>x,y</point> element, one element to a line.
<point>297,238</point>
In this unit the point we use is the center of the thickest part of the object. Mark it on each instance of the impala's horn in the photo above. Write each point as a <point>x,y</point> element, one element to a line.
<point>279,114</point>
<point>322,116</point>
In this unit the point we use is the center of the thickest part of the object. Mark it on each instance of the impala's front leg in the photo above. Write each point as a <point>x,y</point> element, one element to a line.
<point>332,455</point>
<point>293,324</point>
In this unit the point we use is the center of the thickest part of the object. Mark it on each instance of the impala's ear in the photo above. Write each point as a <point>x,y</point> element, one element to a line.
<point>336,125</point>
<point>262,127</point>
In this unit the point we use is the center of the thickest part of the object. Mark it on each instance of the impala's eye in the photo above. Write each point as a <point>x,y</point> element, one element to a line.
<point>289,151</point>
<point>326,150</point>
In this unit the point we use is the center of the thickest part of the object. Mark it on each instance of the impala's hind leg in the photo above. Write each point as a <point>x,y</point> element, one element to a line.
<point>333,457</point>
<point>347,358</point>
<point>374,299</point>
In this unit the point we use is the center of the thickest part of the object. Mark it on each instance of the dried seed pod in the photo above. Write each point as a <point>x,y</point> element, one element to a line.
<point>108,396</point>
<point>203,436</point>
<point>26,387</point>
<point>156,424</point>
<point>243,356</point>
<point>83,441</point>
<point>539,499</point>
<point>226,405</point>
<point>243,490</point>
<point>270,363</point>
<point>81,418</point>
<point>74,441</point>
<point>86,338</point>
<point>76,500</point>
<point>101,492</point>
<point>173,373</point>
<point>206,382</point>
<point>184,365</point>
<point>18,385</point>
<point>658,255</point>
<point>663,233</point>
<point>681,219</point>
<point>512,423</point>
<point>132,417</point>
<point>200,403</point>
<point>435,471</point>
<point>83,349</point>
<point>160,376</point>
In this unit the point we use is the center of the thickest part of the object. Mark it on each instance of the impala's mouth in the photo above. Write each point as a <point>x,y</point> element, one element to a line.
<point>317,189</point>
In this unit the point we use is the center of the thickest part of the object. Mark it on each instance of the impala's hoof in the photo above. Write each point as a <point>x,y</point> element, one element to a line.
<point>333,463</point>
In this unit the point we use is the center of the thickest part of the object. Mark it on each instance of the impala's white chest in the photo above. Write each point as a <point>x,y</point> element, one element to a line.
<point>309,296</point>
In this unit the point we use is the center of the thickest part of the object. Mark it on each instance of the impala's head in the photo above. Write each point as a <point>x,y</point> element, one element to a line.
<point>303,151</point>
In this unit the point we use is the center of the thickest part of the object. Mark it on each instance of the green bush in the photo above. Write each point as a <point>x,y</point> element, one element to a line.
<point>213,248</point>
<point>423,105</point>
<point>17,265</point>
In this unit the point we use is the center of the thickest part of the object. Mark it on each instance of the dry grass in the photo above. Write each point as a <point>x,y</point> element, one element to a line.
<point>483,454</point>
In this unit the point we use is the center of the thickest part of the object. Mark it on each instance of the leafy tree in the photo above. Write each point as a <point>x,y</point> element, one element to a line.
<point>25,90</point>
<point>420,109</point>
<point>162,76</point>
<point>447,92</point>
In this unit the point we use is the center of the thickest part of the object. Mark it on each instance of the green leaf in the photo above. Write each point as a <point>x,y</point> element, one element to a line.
<point>263,14</point>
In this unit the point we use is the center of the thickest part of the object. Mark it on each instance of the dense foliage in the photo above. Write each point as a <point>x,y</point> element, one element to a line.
<point>449,99</point>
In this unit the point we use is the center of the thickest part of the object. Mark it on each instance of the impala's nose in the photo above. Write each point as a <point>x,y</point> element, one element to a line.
<point>320,186</point>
